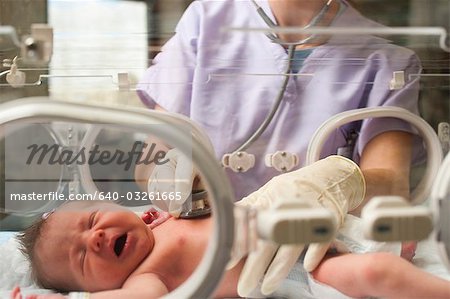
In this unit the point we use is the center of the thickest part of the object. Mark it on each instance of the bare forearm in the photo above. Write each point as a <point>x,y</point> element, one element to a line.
<point>124,293</point>
<point>145,286</point>
<point>384,182</point>
<point>385,164</point>
<point>380,275</point>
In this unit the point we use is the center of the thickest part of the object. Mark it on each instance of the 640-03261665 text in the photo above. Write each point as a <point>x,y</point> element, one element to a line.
<point>98,195</point>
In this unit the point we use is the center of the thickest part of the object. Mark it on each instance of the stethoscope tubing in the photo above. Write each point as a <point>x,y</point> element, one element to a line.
<point>276,104</point>
<point>291,50</point>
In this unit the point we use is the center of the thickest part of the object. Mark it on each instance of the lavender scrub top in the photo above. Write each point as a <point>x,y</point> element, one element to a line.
<point>227,81</point>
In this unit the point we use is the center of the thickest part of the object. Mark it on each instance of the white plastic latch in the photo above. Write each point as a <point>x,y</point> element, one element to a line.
<point>281,160</point>
<point>238,161</point>
<point>392,218</point>
<point>123,81</point>
<point>15,78</point>
<point>398,80</point>
<point>38,47</point>
<point>296,222</point>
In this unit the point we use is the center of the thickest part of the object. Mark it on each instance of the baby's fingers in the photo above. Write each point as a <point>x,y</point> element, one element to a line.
<point>15,294</point>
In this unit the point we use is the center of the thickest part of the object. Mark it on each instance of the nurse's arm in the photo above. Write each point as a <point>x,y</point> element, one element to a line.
<point>385,163</point>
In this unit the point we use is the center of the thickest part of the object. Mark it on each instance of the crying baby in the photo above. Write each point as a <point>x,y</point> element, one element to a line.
<point>106,249</point>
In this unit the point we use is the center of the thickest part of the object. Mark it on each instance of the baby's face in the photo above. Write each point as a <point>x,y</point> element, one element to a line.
<point>93,246</point>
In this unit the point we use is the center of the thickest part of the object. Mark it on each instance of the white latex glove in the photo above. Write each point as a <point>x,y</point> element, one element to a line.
<point>172,182</point>
<point>335,182</point>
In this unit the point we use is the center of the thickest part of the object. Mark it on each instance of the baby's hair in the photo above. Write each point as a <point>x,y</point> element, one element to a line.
<point>28,239</point>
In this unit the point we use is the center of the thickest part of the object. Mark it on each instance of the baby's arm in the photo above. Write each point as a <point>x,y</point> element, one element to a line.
<point>145,286</point>
<point>379,275</point>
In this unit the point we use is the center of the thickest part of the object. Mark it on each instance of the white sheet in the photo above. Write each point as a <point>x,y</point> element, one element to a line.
<point>14,268</point>
<point>426,258</point>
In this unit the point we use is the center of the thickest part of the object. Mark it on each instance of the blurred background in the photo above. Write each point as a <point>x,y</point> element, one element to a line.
<point>101,47</point>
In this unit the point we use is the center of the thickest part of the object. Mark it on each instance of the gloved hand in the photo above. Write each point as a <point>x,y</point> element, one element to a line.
<point>172,182</point>
<point>335,182</point>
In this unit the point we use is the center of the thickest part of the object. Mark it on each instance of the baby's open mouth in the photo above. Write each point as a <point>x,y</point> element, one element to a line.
<point>119,245</point>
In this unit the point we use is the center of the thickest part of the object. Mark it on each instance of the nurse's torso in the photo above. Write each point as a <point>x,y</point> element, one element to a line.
<point>238,75</point>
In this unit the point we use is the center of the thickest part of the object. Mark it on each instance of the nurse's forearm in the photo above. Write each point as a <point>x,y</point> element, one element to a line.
<point>385,163</point>
<point>383,182</point>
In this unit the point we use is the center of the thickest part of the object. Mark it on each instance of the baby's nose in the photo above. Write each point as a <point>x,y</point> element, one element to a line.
<point>96,240</point>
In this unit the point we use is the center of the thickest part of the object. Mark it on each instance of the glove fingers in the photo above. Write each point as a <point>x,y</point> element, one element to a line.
<point>233,262</point>
<point>280,267</point>
<point>255,266</point>
<point>257,200</point>
<point>314,255</point>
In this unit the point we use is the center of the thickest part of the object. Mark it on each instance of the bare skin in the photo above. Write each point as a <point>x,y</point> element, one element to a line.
<point>86,257</point>
<point>166,266</point>
<point>381,275</point>
<point>299,13</point>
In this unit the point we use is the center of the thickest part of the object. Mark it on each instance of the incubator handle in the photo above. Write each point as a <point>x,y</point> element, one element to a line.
<point>291,222</point>
<point>392,218</point>
<point>296,223</point>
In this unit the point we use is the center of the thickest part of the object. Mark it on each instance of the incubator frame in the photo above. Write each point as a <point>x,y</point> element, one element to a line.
<point>204,280</point>
<point>440,198</point>
<point>207,275</point>
<point>89,138</point>
<point>439,32</point>
<point>433,146</point>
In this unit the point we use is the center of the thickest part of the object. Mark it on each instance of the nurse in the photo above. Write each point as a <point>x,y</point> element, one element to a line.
<point>228,82</point>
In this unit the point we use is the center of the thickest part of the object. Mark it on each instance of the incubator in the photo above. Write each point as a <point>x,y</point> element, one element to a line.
<point>246,100</point>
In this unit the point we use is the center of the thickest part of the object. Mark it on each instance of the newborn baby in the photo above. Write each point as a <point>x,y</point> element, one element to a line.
<point>109,251</point>
<point>102,247</point>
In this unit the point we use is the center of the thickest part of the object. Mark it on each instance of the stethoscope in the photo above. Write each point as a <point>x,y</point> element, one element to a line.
<point>239,160</point>
<point>198,204</point>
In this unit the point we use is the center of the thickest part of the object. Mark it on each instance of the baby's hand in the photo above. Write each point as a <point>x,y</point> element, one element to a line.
<point>15,294</point>
<point>154,217</point>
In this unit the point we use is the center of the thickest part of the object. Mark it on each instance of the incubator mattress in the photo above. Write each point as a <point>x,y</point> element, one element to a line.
<point>14,269</point>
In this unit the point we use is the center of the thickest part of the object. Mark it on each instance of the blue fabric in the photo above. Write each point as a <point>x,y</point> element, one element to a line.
<point>6,235</point>
<point>299,58</point>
